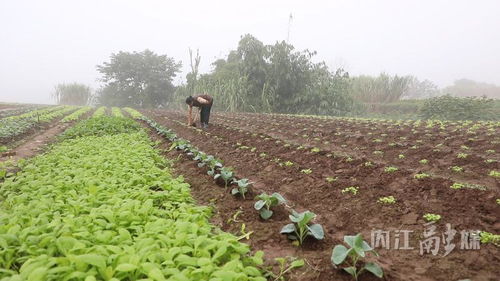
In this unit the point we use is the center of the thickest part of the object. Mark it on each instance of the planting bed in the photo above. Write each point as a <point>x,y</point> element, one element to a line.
<point>282,160</point>
<point>103,205</point>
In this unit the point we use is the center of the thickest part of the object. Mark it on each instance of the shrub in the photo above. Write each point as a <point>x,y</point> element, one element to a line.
<point>454,108</point>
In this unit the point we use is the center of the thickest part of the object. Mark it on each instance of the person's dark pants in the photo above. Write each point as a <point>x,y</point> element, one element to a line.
<point>205,114</point>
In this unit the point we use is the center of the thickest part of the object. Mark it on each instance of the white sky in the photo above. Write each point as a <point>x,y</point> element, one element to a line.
<point>43,43</point>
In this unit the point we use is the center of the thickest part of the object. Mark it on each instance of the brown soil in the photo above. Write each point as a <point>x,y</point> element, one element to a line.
<point>340,214</point>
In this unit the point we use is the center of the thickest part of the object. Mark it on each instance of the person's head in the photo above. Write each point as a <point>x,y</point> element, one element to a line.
<point>189,100</point>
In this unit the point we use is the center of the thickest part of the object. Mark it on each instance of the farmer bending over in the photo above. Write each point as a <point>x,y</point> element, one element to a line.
<point>204,104</point>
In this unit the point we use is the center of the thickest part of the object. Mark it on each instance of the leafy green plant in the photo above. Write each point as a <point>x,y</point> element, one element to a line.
<point>357,251</point>
<point>226,174</point>
<point>432,217</point>
<point>421,176</point>
<point>315,150</point>
<point>387,200</point>
<point>331,179</point>
<point>100,206</point>
<point>368,164</point>
<point>301,227</point>
<point>457,169</point>
<point>351,189</point>
<point>423,161</point>
<point>401,156</point>
<point>494,174</point>
<point>462,155</point>
<point>266,202</point>
<point>242,187</point>
<point>390,169</point>
<point>457,185</point>
<point>288,163</point>
<point>306,171</point>
<point>285,265</point>
<point>487,237</point>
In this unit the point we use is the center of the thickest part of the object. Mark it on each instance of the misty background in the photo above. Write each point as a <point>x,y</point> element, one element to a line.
<point>49,42</point>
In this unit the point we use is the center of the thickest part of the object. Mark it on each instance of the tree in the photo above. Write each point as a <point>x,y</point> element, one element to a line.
<point>72,94</point>
<point>470,88</point>
<point>138,79</point>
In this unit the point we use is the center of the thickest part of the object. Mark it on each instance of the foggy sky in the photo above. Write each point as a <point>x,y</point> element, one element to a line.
<point>43,43</point>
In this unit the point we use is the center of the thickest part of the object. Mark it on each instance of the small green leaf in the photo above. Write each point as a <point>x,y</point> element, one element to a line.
<point>316,231</point>
<point>289,228</point>
<point>339,254</point>
<point>351,270</point>
<point>297,263</point>
<point>259,204</point>
<point>375,269</point>
<point>265,213</point>
<point>125,267</point>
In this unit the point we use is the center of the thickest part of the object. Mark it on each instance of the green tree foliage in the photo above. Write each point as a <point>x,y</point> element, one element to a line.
<point>454,108</point>
<point>273,78</point>
<point>137,79</point>
<point>381,89</point>
<point>72,94</point>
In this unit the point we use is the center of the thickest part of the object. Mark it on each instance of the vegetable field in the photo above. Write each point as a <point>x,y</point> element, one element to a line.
<point>121,194</point>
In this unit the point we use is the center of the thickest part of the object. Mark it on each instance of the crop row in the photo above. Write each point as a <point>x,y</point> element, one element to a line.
<point>16,125</point>
<point>63,218</point>
<point>76,115</point>
<point>350,175</point>
<point>301,225</point>
<point>460,163</point>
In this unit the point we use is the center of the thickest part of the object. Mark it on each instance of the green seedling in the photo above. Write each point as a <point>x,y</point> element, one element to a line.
<point>306,171</point>
<point>331,179</point>
<point>263,155</point>
<point>490,151</point>
<point>315,150</point>
<point>288,163</point>
<point>368,164</point>
<point>266,202</point>
<point>242,188</point>
<point>300,228</point>
<point>494,174</point>
<point>487,237</point>
<point>457,185</point>
<point>387,200</point>
<point>457,169</point>
<point>390,169</point>
<point>421,176</point>
<point>351,189</point>
<point>423,161</point>
<point>284,268</point>
<point>226,174</point>
<point>378,152</point>
<point>357,251</point>
<point>432,217</point>
<point>462,155</point>
<point>498,201</point>
<point>401,156</point>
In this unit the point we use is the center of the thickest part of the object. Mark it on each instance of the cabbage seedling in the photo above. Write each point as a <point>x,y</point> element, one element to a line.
<point>299,229</point>
<point>226,174</point>
<point>266,202</point>
<point>242,187</point>
<point>358,248</point>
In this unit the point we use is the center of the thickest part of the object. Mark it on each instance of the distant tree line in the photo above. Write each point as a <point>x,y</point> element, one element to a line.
<point>255,77</point>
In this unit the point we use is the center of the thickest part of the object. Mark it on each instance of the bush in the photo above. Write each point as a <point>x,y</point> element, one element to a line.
<point>454,108</point>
